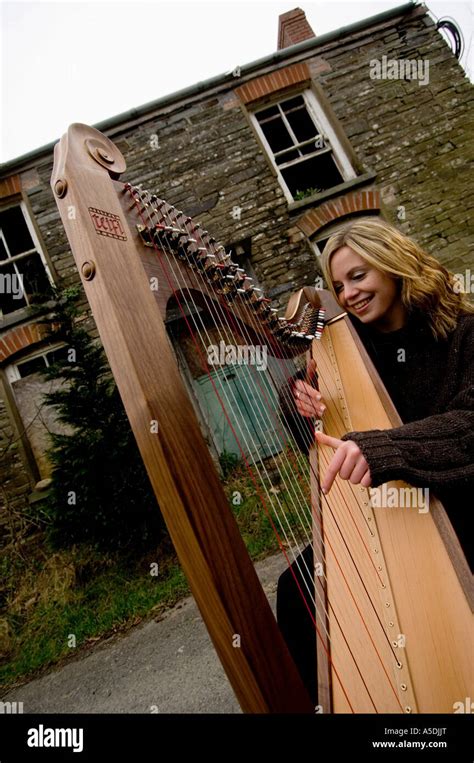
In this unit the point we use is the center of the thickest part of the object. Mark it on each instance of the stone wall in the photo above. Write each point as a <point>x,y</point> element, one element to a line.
<point>201,155</point>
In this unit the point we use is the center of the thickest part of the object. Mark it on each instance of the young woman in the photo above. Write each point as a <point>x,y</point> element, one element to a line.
<point>419,332</point>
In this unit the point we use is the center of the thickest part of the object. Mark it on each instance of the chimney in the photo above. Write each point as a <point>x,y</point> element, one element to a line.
<point>293,28</point>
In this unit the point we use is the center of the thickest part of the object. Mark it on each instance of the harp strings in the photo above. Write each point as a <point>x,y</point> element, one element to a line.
<point>223,316</point>
<point>227,393</point>
<point>216,310</point>
<point>252,318</point>
<point>169,257</point>
<point>227,317</point>
<point>324,455</point>
<point>195,315</point>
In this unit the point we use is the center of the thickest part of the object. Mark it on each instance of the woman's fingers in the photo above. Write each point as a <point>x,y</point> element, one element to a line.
<point>310,408</point>
<point>308,400</point>
<point>306,389</point>
<point>311,371</point>
<point>324,439</point>
<point>348,461</point>
<point>350,464</point>
<point>309,403</point>
<point>333,469</point>
<point>358,473</point>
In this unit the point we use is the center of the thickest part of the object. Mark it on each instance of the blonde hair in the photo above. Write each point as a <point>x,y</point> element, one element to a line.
<point>425,284</point>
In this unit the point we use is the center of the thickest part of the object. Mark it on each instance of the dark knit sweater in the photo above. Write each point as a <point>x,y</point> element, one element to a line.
<point>432,386</point>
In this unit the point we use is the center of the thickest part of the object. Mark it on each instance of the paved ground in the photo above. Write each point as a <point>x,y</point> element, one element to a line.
<point>168,666</point>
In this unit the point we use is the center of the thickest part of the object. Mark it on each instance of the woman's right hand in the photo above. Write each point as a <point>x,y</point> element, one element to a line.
<point>309,401</point>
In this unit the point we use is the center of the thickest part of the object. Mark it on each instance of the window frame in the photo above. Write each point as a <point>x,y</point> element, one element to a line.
<point>11,370</point>
<point>326,234</point>
<point>38,249</point>
<point>322,124</point>
<point>334,226</point>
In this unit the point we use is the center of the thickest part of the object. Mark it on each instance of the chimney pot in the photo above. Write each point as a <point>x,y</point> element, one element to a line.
<point>293,28</point>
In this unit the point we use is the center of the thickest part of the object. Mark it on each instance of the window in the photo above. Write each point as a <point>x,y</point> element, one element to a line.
<point>23,270</point>
<point>302,146</point>
<point>36,362</point>
<point>319,244</point>
<point>29,388</point>
<point>321,238</point>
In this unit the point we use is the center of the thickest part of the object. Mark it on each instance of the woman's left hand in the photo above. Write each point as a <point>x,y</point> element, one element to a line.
<point>348,461</point>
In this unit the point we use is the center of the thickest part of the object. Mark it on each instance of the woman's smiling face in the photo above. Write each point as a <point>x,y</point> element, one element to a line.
<point>369,294</point>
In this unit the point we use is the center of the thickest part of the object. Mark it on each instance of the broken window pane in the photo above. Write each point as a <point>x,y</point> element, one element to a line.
<point>15,231</point>
<point>302,124</point>
<point>292,103</point>
<point>287,156</point>
<point>31,366</point>
<point>35,280</point>
<point>11,292</point>
<point>316,145</point>
<point>271,112</point>
<point>277,135</point>
<point>23,278</point>
<point>316,174</point>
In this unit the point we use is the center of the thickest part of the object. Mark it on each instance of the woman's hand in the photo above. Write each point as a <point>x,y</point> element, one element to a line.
<point>348,461</point>
<point>309,401</point>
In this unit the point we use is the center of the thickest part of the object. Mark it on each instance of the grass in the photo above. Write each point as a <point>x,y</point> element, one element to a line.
<point>256,516</point>
<point>56,604</point>
<point>49,623</point>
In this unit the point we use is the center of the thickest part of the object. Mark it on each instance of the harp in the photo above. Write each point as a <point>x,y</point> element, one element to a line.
<point>392,602</point>
<point>394,599</point>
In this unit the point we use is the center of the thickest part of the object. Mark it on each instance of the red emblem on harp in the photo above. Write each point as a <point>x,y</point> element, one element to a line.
<point>107,224</point>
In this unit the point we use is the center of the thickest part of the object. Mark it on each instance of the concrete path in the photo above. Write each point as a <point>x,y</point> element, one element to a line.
<point>168,666</point>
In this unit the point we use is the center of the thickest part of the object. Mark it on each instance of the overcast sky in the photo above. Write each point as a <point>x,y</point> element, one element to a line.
<point>65,62</point>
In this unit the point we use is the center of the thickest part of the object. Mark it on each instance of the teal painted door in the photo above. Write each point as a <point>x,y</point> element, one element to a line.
<point>250,401</point>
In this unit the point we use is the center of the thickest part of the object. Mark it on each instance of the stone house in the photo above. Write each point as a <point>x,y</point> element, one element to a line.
<point>373,118</point>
